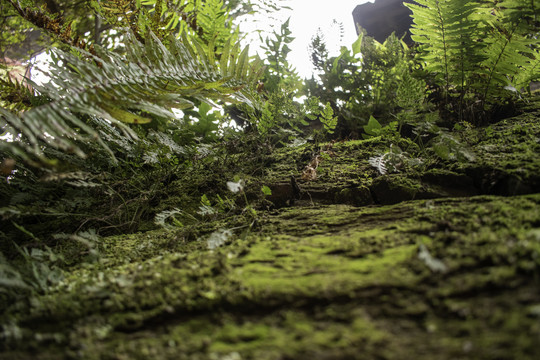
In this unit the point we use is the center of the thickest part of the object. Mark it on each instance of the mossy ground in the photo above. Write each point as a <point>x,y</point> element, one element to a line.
<point>330,281</point>
<point>439,263</point>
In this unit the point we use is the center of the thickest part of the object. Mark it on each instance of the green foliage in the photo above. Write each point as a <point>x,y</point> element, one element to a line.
<point>206,21</point>
<point>35,271</point>
<point>41,268</point>
<point>281,114</point>
<point>205,122</point>
<point>440,141</point>
<point>266,190</point>
<point>220,208</point>
<point>365,81</point>
<point>244,7</point>
<point>139,88</point>
<point>447,147</point>
<point>161,219</point>
<point>328,119</point>
<point>278,72</point>
<point>446,26</point>
<point>117,138</point>
<point>28,27</point>
<point>476,50</point>
<point>217,26</point>
<point>11,278</point>
<point>374,128</point>
<point>10,26</point>
<point>318,50</point>
<point>105,125</point>
<point>411,91</point>
<point>14,95</point>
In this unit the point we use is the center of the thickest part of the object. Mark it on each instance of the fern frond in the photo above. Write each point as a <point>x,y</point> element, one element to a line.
<point>379,163</point>
<point>448,29</point>
<point>529,72</point>
<point>138,88</point>
<point>509,50</point>
<point>54,25</point>
<point>162,217</point>
<point>217,29</point>
<point>475,50</point>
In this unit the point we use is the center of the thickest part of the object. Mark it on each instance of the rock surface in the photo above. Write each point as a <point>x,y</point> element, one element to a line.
<point>383,17</point>
<point>439,260</point>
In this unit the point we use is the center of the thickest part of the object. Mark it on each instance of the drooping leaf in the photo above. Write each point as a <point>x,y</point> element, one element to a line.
<point>133,89</point>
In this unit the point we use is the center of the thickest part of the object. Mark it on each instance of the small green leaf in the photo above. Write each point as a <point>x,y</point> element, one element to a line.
<point>205,201</point>
<point>373,127</point>
<point>357,45</point>
<point>125,116</point>
<point>204,108</point>
<point>266,190</point>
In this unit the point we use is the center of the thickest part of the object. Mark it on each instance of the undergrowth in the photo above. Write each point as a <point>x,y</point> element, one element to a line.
<point>150,113</point>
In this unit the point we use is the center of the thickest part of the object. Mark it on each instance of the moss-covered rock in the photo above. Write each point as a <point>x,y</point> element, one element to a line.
<point>454,278</point>
<point>340,262</point>
<point>503,160</point>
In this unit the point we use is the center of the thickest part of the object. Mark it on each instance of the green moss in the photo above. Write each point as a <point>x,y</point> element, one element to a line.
<point>319,281</point>
<point>322,280</point>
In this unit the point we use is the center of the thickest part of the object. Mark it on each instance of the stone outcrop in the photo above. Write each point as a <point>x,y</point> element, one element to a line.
<point>383,17</point>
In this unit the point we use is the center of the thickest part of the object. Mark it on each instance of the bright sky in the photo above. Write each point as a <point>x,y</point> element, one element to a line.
<point>306,17</point>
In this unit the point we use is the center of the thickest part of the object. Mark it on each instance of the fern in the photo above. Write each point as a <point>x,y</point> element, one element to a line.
<point>136,89</point>
<point>379,163</point>
<point>168,215</point>
<point>218,238</point>
<point>410,93</point>
<point>207,21</point>
<point>10,277</point>
<point>328,119</point>
<point>509,50</point>
<point>529,73</point>
<point>448,33</point>
<point>55,25</point>
<point>393,161</point>
<point>214,19</point>
<point>475,50</point>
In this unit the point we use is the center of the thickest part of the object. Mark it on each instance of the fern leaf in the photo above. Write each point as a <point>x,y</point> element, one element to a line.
<point>134,89</point>
<point>509,50</point>
<point>225,58</point>
<point>474,50</point>
<point>242,63</point>
<point>379,163</point>
<point>448,31</point>
<point>529,73</point>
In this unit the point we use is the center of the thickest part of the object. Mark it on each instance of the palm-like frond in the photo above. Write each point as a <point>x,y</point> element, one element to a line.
<point>133,89</point>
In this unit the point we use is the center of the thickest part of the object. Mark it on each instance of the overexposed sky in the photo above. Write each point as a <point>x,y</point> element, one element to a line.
<point>306,17</point>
